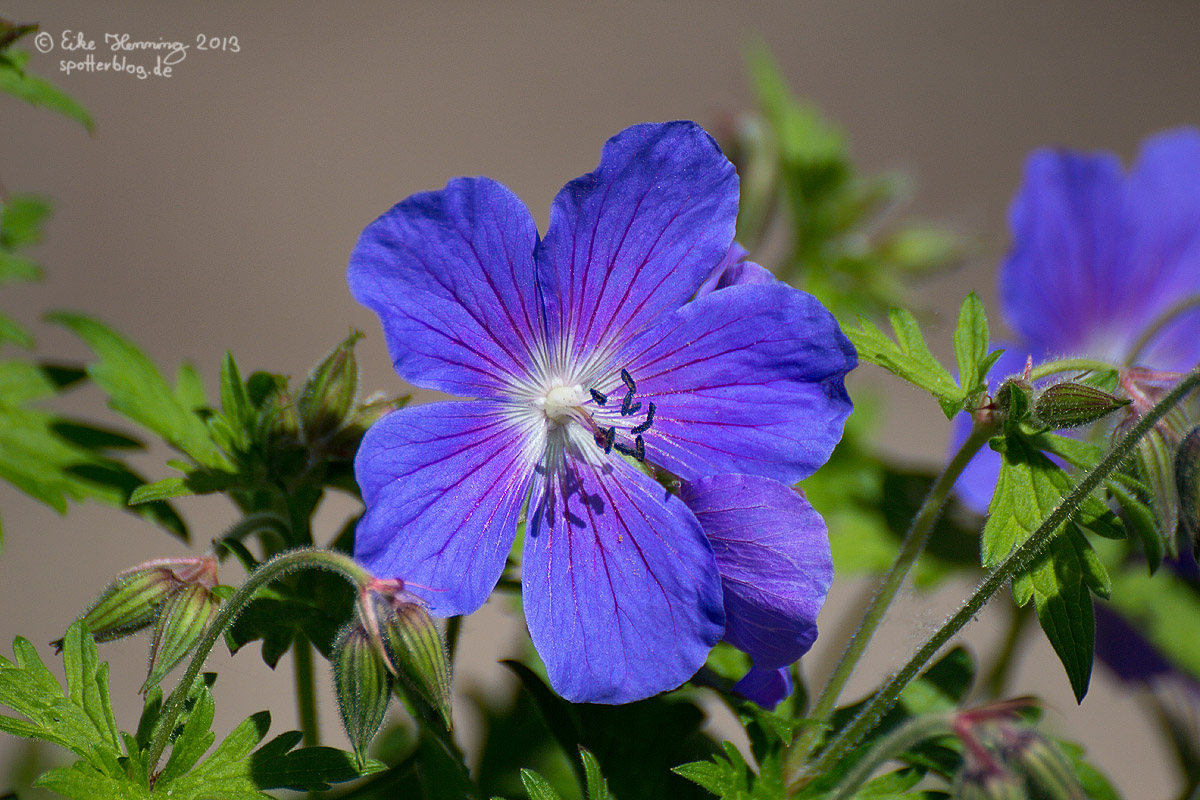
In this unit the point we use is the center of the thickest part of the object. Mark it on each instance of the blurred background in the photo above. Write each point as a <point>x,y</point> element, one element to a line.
<point>215,209</point>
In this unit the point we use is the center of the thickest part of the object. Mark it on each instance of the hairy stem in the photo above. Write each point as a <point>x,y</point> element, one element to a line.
<point>306,694</point>
<point>904,737</point>
<point>1017,561</point>
<point>910,550</point>
<point>1048,368</point>
<point>305,558</point>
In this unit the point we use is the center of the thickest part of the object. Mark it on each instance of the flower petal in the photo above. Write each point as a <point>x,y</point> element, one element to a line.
<point>772,549</point>
<point>444,485</point>
<point>620,587</point>
<point>746,380</point>
<point>1164,199</point>
<point>767,687</point>
<point>734,270</point>
<point>1066,286</point>
<point>635,238</point>
<point>451,276</point>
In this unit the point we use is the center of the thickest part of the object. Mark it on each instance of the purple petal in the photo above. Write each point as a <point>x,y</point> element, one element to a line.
<point>767,687</point>
<point>451,276</point>
<point>746,380</point>
<point>620,586</point>
<point>1164,198</point>
<point>1066,285</point>
<point>444,485</point>
<point>734,270</point>
<point>1122,647</point>
<point>772,550</point>
<point>634,239</point>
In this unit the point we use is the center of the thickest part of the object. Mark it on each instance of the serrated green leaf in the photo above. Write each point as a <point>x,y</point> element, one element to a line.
<point>80,720</point>
<point>138,390</point>
<point>1029,488</point>
<point>82,781</point>
<point>908,357</point>
<point>538,787</point>
<point>971,339</point>
<point>38,92</point>
<point>597,787</point>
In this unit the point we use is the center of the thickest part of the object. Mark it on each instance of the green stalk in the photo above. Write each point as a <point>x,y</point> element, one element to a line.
<point>305,558</point>
<point>1017,561</point>
<point>306,694</point>
<point>1049,368</point>
<point>914,543</point>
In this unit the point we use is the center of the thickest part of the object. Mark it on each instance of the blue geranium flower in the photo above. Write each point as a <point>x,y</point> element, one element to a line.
<point>591,372</point>
<point>1103,265</point>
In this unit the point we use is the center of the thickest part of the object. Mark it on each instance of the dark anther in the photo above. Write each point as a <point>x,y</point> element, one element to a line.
<point>610,436</point>
<point>638,450</point>
<point>645,426</point>
<point>627,379</point>
<point>600,397</point>
<point>628,407</point>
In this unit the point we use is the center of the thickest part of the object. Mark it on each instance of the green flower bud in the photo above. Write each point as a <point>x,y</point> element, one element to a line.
<point>181,622</point>
<point>409,641</point>
<point>364,687</point>
<point>1000,785</point>
<point>1187,485</point>
<point>1046,768</point>
<point>344,443</point>
<point>1013,400</point>
<point>1155,457</point>
<point>1069,405</point>
<point>133,600</point>
<point>328,394</point>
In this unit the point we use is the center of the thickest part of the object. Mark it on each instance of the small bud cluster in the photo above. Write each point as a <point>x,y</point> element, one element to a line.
<point>174,595</point>
<point>392,642</point>
<point>1005,758</point>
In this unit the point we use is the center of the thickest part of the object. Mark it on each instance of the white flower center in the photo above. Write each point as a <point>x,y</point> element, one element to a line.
<point>560,403</point>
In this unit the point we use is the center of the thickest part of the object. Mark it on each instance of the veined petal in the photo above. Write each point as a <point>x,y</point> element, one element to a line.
<point>444,485</point>
<point>620,586</point>
<point>1067,286</point>
<point>746,380</point>
<point>1164,201</point>
<point>450,274</point>
<point>734,270</point>
<point>634,239</point>
<point>772,550</point>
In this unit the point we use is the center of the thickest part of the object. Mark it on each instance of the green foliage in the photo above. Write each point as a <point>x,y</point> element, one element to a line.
<point>1060,581</point>
<point>636,744</point>
<point>36,91</point>
<point>113,764</point>
<point>909,358</point>
<point>797,174</point>
<point>314,607</point>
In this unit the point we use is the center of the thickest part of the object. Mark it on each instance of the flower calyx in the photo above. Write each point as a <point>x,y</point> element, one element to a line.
<point>363,684</point>
<point>136,597</point>
<point>405,636</point>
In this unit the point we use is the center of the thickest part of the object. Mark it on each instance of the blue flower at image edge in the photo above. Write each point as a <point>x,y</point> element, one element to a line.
<point>631,335</point>
<point>1098,258</point>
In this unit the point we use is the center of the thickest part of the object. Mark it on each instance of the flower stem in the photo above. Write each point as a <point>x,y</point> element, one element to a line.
<point>910,733</point>
<point>910,550</point>
<point>304,558</point>
<point>306,695</point>
<point>1017,561</point>
<point>1049,368</point>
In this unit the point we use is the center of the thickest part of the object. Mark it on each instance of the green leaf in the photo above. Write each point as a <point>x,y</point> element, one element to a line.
<point>189,387</point>
<point>18,269</point>
<point>21,221</point>
<point>597,787</point>
<point>908,357</point>
<point>538,787</point>
<point>971,339</point>
<point>315,606</point>
<point>11,331</point>
<point>81,720</point>
<point>1029,488</point>
<point>37,91</point>
<point>195,482</point>
<point>138,390</point>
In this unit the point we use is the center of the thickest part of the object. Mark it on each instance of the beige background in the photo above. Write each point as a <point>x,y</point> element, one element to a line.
<point>216,210</point>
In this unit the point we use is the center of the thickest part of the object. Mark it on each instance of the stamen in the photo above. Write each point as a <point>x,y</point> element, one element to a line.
<point>645,426</point>
<point>628,407</point>
<point>605,438</point>
<point>638,450</point>
<point>627,379</point>
<point>600,397</point>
